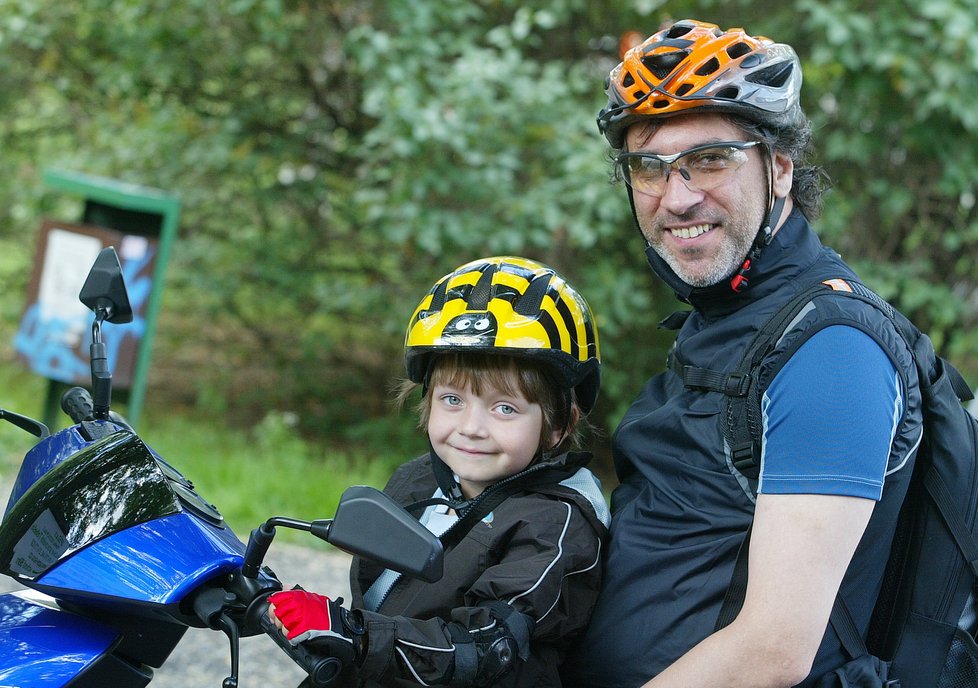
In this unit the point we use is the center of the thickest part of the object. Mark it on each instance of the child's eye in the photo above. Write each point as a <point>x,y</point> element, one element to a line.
<point>506,409</point>
<point>451,399</point>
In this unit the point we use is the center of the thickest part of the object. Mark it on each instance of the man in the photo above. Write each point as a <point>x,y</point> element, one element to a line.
<point>711,142</point>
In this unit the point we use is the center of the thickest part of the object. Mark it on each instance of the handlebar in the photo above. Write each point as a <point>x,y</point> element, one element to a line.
<point>324,671</point>
<point>77,403</point>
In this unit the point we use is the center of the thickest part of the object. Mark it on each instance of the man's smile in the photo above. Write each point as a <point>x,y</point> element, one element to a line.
<point>690,232</point>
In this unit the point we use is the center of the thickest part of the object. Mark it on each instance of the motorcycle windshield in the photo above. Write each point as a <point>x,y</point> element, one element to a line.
<point>111,485</point>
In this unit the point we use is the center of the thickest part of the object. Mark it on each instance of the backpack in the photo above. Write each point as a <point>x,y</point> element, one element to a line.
<point>923,630</point>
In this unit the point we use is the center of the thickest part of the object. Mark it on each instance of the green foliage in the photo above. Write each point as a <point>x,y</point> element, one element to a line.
<point>21,393</point>
<point>335,158</point>
<point>897,129</point>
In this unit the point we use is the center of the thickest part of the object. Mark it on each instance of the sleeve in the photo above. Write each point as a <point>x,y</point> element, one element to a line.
<point>548,571</point>
<point>829,417</point>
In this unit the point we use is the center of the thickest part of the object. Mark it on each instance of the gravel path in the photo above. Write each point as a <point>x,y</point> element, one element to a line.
<point>203,660</point>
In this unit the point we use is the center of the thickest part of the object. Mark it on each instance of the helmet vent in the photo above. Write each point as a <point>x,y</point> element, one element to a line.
<point>729,93</point>
<point>662,64</point>
<point>482,291</point>
<point>708,67</point>
<point>684,89</point>
<point>678,30</point>
<point>628,80</point>
<point>659,104</point>
<point>532,299</point>
<point>738,50</point>
<point>438,298</point>
<point>774,76</point>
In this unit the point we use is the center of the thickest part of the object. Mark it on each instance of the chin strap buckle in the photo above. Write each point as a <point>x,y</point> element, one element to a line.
<point>740,282</point>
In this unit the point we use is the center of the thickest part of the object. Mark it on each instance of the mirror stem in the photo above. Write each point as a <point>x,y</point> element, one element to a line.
<point>261,538</point>
<point>101,375</point>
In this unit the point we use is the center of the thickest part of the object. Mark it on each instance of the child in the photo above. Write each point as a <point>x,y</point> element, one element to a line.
<point>506,355</point>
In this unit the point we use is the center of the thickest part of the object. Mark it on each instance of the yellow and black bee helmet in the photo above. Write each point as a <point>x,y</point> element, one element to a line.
<point>511,306</point>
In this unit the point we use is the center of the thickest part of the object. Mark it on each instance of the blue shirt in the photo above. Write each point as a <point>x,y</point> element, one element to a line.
<point>829,418</point>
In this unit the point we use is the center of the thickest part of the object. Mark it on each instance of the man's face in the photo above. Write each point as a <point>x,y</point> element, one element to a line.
<point>704,236</point>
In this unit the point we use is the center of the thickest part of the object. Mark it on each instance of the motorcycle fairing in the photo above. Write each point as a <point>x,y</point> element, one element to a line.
<point>108,486</point>
<point>103,523</point>
<point>41,645</point>
<point>47,454</point>
<point>142,564</point>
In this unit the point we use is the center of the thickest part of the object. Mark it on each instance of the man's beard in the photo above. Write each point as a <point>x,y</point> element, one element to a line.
<point>729,258</point>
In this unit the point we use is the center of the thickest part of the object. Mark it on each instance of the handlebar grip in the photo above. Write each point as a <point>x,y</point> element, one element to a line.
<point>324,671</point>
<point>77,403</point>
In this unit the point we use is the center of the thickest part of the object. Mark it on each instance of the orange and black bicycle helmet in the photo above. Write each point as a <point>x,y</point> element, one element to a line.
<point>696,66</point>
<point>512,306</point>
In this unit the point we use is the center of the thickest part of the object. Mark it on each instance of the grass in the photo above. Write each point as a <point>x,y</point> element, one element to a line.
<point>253,475</point>
<point>249,475</point>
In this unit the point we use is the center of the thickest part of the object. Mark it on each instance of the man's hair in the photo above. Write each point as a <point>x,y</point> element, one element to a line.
<point>532,379</point>
<point>808,182</point>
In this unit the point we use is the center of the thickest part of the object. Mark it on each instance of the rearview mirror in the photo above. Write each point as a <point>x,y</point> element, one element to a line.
<point>372,525</point>
<point>105,288</point>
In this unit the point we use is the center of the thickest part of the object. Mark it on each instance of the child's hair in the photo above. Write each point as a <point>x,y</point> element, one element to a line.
<point>533,379</point>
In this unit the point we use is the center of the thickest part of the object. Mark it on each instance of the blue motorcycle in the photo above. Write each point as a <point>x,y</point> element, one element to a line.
<point>119,554</point>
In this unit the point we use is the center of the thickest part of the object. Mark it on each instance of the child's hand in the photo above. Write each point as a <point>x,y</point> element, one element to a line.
<point>308,617</point>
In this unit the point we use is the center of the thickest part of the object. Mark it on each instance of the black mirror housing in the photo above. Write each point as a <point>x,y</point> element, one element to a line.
<point>105,288</point>
<point>371,524</point>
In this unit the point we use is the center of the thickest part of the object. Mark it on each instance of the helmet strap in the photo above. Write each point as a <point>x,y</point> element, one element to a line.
<point>446,481</point>
<point>741,279</point>
<point>565,420</point>
<point>426,381</point>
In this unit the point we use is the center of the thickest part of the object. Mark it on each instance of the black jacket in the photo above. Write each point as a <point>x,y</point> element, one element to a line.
<point>539,551</point>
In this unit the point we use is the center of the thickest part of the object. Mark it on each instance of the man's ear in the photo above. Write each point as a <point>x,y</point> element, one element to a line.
<point>783,170</point>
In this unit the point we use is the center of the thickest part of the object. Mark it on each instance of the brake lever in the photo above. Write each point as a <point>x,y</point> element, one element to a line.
<point>230,629</point>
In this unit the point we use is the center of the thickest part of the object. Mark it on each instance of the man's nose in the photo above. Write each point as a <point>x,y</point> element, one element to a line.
<point>678,197</point>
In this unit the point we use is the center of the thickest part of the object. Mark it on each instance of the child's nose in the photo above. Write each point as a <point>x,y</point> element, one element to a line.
<point>473,422</point>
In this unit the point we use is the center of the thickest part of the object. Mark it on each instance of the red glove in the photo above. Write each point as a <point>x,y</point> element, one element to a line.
<point>318,619</point>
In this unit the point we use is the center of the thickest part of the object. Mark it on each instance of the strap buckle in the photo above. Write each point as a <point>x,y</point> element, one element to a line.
<point>737,385</point>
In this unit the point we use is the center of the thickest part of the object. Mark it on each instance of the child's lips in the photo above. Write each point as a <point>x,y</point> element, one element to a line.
<point>472,452</point>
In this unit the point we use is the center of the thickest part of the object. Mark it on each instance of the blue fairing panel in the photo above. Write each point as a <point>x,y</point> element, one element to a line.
<point>42,646</point>
<point>156,562</point>
<point>44,456</point>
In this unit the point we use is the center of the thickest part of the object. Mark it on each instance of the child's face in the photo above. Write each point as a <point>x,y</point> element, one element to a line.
<point>484,437</point>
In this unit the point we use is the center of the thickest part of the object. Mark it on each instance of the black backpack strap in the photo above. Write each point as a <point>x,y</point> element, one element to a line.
<point>951,514</point>
<point>846,630</point>
<point>737,590</point>
<point>743,429</point>
<point>840,618</point>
